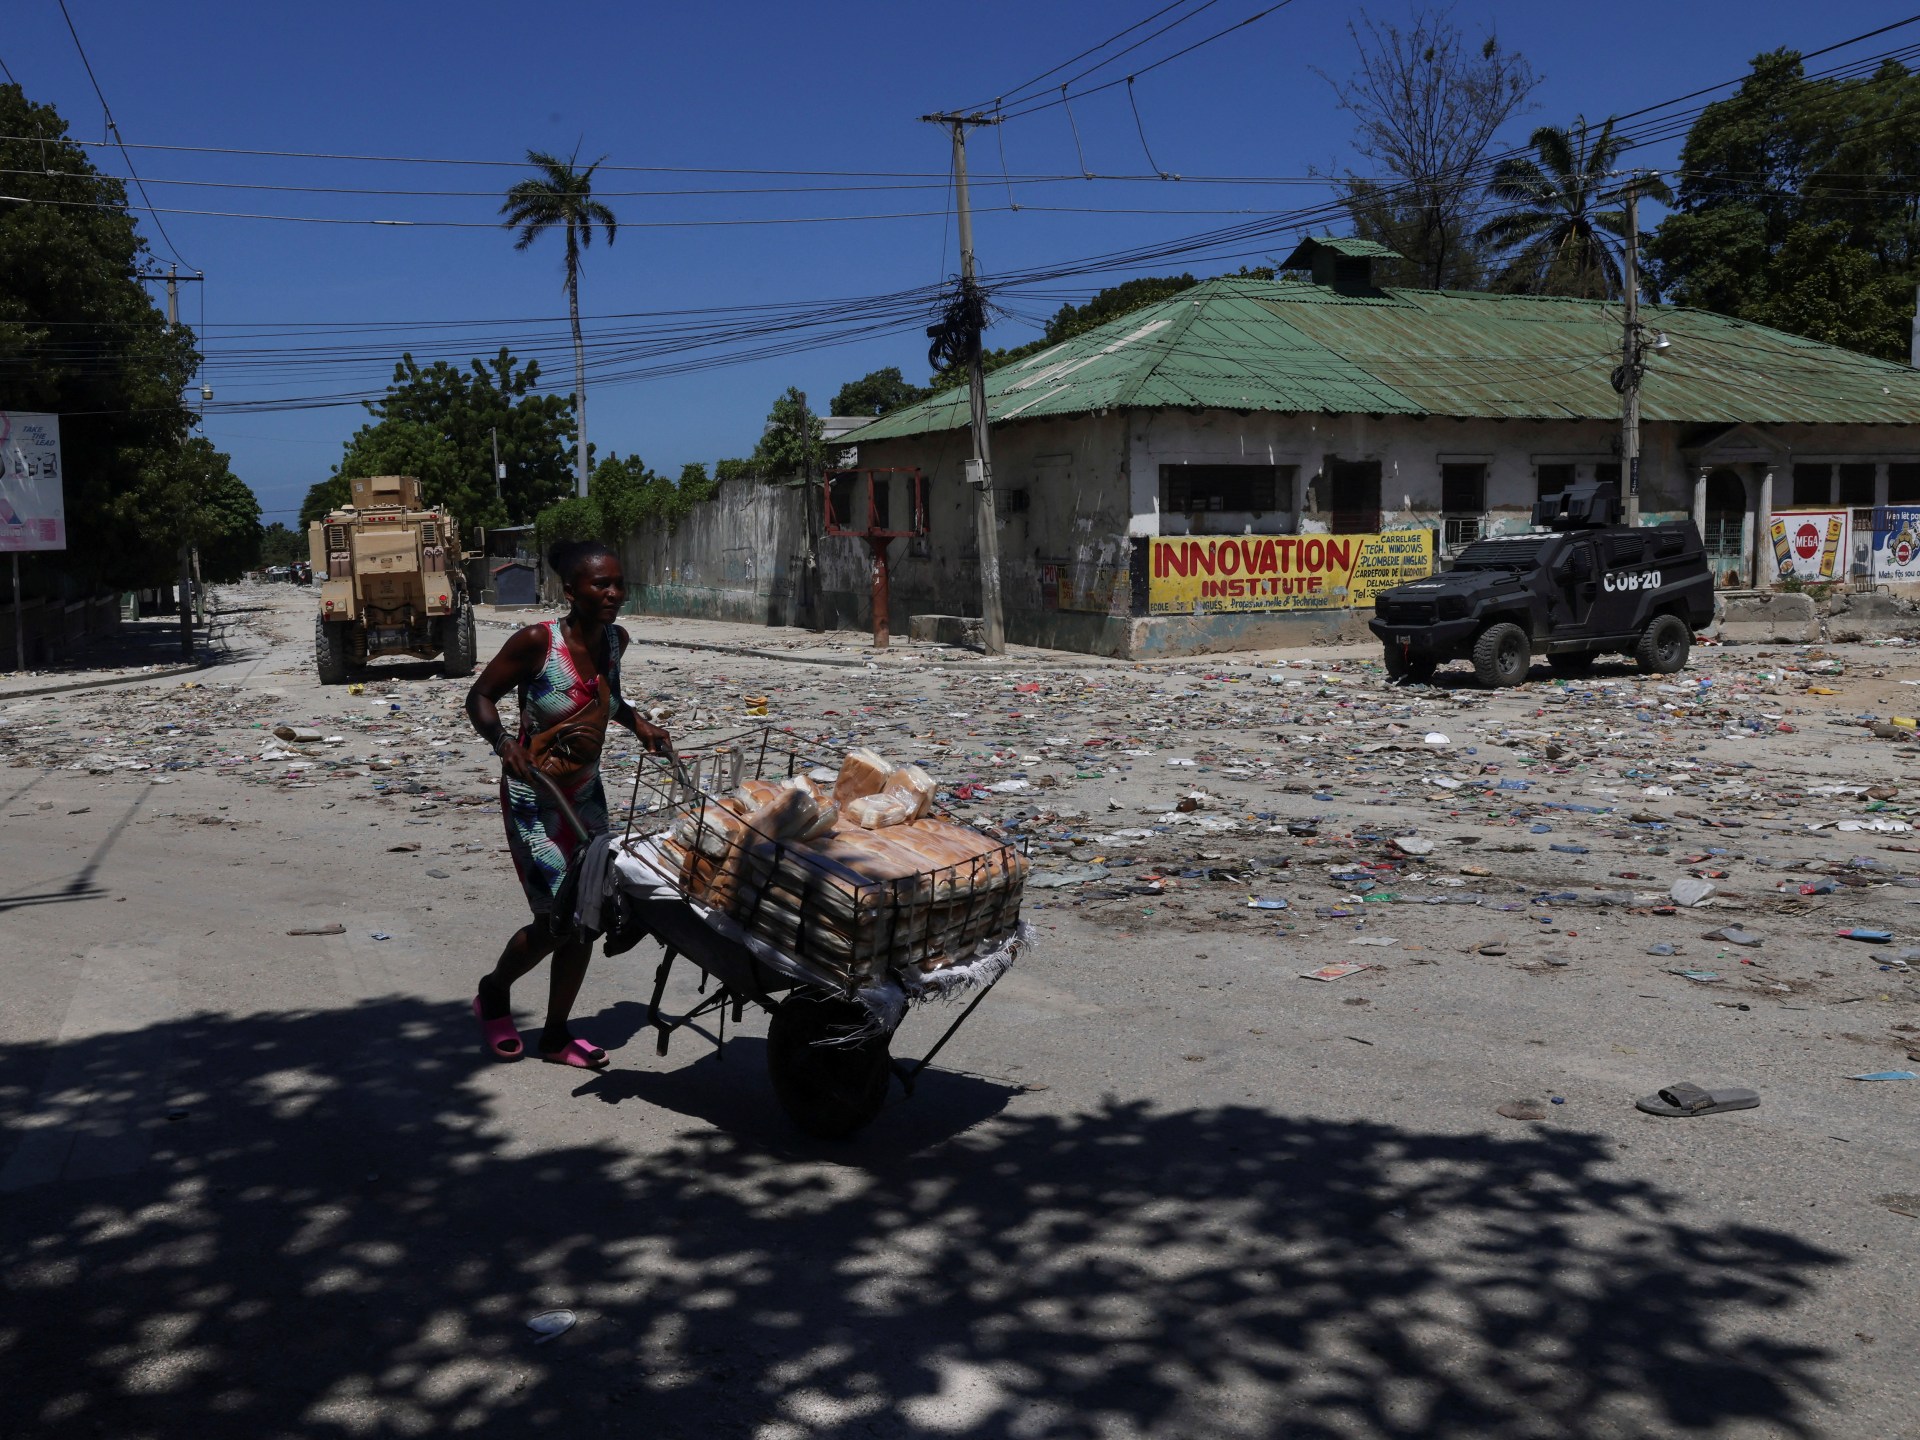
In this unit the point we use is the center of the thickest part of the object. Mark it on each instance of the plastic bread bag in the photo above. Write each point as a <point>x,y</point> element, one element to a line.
<point>876,812</point>
<point>913,787</point>
<point>863,772</point>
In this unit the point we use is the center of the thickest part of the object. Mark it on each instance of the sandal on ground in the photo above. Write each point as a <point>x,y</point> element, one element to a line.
<point>579,1054</point>
<point>1687,1099</point>
<point>503,1036</point>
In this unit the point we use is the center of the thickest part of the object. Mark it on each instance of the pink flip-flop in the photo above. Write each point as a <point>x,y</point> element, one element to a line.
<point>579,1054</point>
<point>503,1036</point>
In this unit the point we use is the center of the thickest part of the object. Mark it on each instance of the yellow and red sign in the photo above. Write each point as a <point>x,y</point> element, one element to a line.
<point>1197,574</point>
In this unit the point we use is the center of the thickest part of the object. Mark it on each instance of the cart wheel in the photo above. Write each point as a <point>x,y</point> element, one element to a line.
<point>831,1090</point>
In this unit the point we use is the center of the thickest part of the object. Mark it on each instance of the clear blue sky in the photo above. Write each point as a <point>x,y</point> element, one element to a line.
<point>743,85</point>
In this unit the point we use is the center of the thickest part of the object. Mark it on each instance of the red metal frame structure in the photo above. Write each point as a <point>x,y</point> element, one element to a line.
<point>879,537</point>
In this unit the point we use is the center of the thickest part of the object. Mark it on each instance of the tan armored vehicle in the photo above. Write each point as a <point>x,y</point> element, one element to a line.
<point>390,582</point>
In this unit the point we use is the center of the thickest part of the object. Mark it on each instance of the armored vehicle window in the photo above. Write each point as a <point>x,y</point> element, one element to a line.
<point>1516,554</point>
<point>1856,485</point>
<point>1624,550</point>
<point>1191,489</point>
<point>1608,473</point>
<point>1903,484</point>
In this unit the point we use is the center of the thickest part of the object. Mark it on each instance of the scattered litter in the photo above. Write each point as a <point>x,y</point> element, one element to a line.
<point>1690,891</point>
<point>380,935</point>
<point>1262,903</point>
<point>549,1323</point>
<point>1888,1075</point>
<point>1732,935</point>
<point>334,929</point>
<point>1700,977</point>
<point>1686,1100</point>
<point>1521,1110</point>
<point>1335,972</point>
<point>1870,937</point>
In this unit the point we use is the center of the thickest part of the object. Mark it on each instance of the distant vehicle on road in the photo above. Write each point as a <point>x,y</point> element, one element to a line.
<point>1587,587</point>
<point>391,582</point>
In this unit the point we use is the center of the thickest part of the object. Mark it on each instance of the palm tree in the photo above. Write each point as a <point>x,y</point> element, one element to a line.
<point>1560,241</point>
<point>560,197</point>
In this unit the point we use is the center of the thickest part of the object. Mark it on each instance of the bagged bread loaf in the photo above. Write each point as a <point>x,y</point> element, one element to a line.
<point>877,812</point>
<point>793,811</point>
<point>712,830</point>
<point>913,787</point>
<point>863,772</point>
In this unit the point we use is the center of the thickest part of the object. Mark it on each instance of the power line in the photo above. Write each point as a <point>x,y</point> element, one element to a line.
<point>114,130</point>
<point>1014,93</point>
<point>1063,97</point>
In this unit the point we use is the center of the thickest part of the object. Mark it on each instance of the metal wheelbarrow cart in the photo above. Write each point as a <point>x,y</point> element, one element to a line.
<point>835,953</point>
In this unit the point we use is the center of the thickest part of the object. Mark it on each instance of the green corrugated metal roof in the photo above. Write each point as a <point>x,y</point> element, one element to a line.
<point>1294,347</point>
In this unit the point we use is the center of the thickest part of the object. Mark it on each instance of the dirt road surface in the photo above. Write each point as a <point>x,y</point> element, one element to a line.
<point>257,1184</point>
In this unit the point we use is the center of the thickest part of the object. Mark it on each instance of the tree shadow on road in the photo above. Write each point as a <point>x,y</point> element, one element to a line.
<point>340,1238</point>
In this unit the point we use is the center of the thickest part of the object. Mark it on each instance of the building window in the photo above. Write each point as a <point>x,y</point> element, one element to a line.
<point>1463,500</point>
<point>1197,489</point>
<point>880,505</point>
<point>1353,496</point>
<point>1553,479</point>
<point>1903,484</point>
<point>1812,485</point>
<point>1856,484</point>
<point>1463,489</point>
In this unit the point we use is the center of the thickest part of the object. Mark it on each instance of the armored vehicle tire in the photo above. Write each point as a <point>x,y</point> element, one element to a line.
<point>1663,645</point>
<point>828,1090</point>
<point>330,651</point>
<point>458,649</point>
<point>1417,669</point>
<point>1575,662</point>
<point>1502,655</point>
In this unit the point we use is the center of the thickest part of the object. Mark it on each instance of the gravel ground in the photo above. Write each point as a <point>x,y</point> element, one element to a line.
<point>1159,1185</point>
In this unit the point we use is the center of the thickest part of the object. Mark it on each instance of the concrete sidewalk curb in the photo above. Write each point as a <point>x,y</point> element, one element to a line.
<point>194,669</point>
<point>853,663</point>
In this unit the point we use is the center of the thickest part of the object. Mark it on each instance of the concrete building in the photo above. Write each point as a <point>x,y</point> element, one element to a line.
<point>1127,460</point>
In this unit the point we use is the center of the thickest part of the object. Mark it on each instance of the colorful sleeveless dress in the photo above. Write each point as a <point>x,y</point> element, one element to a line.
<point>538,835</point>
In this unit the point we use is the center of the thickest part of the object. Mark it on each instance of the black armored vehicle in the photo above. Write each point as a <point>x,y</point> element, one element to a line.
<point>1588,586</point>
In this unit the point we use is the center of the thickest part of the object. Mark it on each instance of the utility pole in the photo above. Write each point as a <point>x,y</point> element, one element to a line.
<point>186,550</point>
<point>1630,360</point>
<point>810,524</point>
<point>499,475</point>
<point>980,470</point>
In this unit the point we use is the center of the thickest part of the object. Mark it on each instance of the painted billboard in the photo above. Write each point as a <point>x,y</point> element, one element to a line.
<point>1896,544</point>
<point>1814,546</point>
<point>1191,575</point>
<point>33,511</point>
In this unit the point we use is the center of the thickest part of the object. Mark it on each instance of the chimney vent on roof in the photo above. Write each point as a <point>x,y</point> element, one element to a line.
<point>1339,262</point>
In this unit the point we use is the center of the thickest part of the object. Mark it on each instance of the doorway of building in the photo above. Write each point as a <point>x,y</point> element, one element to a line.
<point>1353,496</point>
<point>1725,528</point>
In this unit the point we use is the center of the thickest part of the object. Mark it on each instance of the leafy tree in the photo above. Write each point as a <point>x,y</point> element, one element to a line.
<point>280,545</point>
<point>877,393</point>
<point>625,497</point>
<point>1428,104</point>
<point>80,337</point>
<point>560,197</point>
<point>792,444</point>
<point>724,470</point>
<point>189,495</point>
<point>1555,238</point>
<point>439,423</point>
<point>1797,206</point>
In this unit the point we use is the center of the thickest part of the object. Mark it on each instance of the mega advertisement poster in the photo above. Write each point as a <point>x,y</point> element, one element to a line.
<point>1812,545</point>
<point>33,511</point>
<point>1193,574</point>
<point>1896,544</point>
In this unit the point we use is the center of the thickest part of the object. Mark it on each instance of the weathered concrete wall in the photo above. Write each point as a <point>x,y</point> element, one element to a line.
<point>1764,617</point>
